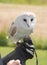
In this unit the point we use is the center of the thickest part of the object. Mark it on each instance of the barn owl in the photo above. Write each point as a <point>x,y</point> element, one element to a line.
<point>22,26</point>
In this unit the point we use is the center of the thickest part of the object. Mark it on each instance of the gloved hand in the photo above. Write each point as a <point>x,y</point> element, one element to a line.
<point>28,44</point>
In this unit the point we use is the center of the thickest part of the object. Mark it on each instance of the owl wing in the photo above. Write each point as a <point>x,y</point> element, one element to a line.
<point>14,30</point>
<point>15,33</point>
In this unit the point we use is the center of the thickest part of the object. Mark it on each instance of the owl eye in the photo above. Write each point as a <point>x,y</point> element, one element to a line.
<point>32,19</point>
<point>24,20</point>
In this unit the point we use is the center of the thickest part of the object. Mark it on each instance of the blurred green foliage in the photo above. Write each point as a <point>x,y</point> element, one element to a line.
<point>3,39</point>
<point>40,43</point>
<point>32,2</point>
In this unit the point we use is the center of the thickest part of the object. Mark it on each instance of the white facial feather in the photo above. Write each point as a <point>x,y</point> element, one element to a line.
<point>22,26</point>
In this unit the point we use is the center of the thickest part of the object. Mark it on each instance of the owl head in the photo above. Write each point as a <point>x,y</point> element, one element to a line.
<point>26,20</point>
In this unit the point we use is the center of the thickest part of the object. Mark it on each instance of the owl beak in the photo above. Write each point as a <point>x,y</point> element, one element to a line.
<point>28,25</point>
